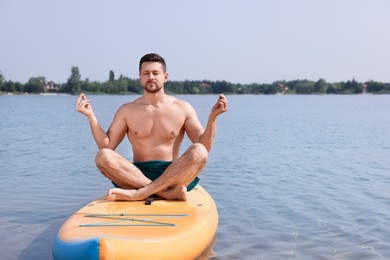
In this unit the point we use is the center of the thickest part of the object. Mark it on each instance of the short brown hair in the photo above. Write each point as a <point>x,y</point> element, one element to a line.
<point>152,57</point>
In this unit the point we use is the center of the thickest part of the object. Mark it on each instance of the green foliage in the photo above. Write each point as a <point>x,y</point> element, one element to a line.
<point>1,81</point>
<point>73,85</point>
<point>112,76</point>
<point>321,86</point>
<point>353,87</point>
<point>377,87</point>
<point>124,85</point>
<point>304,87</point>
<point>35,85</point>
<point>12,87</point>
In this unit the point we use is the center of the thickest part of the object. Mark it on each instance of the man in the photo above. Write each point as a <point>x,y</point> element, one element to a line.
<point>155,125</point>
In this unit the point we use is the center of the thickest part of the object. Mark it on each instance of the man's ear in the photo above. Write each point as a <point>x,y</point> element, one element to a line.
<point>166,77</point>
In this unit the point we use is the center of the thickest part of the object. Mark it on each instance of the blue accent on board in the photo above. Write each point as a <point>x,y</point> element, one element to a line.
<point>85,249</point>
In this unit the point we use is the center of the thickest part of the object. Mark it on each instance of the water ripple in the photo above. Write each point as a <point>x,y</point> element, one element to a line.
<point>294,177</point>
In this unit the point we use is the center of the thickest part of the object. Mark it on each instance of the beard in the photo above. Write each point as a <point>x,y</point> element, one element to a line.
<point>152,87</point>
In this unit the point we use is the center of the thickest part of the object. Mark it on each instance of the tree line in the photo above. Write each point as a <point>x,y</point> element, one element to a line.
<point>125,85</point>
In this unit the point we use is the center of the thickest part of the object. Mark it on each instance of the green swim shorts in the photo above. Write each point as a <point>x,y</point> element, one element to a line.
<point>153,169</point>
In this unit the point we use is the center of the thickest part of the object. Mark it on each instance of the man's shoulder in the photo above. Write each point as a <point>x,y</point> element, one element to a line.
<point>184,107</point>
<point>124,109</point>
<point>131,104</point>
<point>180,102</point>
<point>126,106</point>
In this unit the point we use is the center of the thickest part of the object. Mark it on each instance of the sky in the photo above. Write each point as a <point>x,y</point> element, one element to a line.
<point>241,41</point>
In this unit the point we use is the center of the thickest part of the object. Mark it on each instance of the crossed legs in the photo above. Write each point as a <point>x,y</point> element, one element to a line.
<point>135,186</point>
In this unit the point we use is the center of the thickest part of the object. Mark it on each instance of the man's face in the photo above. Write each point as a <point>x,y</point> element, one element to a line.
<point>152,76</point>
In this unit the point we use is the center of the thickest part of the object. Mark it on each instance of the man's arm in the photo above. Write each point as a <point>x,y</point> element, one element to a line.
<point>195,131</point>
<point>115,133</point>
<point>207,138</point>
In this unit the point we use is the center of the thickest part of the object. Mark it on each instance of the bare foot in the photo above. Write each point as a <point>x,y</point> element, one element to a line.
<point>117,194</point>
<point>179,193</point>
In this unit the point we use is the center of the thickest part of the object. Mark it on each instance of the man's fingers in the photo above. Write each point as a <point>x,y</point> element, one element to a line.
<point>79,100</point>
<point>82,104</point>
<point>222,101</point>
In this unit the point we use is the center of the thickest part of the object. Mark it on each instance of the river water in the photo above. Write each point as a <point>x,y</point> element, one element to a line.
<point>294,177</point>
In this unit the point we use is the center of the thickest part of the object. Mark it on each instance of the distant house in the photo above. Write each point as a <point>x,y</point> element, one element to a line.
<point>283,88</point>
<point>51,86</point>
<point>204,85</point>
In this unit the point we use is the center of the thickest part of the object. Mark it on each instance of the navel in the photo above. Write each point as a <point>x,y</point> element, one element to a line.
<point>172,132</point>
<point>135,133</point>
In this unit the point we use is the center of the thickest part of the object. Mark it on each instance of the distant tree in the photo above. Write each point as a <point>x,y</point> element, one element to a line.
<point>134,85</point>
<point>320,86</point>
<point>35,85</point>
<point>174,87</point>
<point>223,87</point>
<point>122,83</point>
<point>108,87</point>
<point>87,86</point>
<point>375,87</point>
<point>19,87</point>
<point>195,90</point>
<point>73,85</point>
<point>112,76</point>
<point>253,88</point>
<point>1,81</point>
<point>304,87</point>
<point>10,86</point>
<point>187,86</point>
<point>353,87</point>
<point>331,89</point>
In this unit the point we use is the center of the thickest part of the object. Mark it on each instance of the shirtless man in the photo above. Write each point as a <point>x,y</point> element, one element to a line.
<point>155,125</point>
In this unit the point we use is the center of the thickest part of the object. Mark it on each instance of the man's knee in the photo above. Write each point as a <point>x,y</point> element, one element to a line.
<point>199,153</point>
<point>102,157</point>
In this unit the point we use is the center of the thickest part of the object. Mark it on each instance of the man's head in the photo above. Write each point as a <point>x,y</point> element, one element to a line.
<point>152,73</point>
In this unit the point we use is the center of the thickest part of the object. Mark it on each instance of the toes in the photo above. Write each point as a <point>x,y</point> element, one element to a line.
<point>111,197</point>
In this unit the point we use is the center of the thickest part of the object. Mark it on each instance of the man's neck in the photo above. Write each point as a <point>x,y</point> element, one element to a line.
<point>155,99</point>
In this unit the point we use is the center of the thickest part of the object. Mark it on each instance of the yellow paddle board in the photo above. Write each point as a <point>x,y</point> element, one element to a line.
<point>158,229</point>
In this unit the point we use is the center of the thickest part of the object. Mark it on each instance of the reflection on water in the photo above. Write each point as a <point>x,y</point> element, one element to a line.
<point>208,253</point>
<point>294,177</point>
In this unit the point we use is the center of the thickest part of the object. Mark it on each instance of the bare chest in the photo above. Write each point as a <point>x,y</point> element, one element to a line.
<point>155,123</point>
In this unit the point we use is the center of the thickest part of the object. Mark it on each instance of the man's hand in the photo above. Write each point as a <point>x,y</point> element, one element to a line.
<point>221,106</point>
<point>83,105</point>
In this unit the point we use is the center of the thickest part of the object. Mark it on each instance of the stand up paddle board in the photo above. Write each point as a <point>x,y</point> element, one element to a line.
<point>159,229</point>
